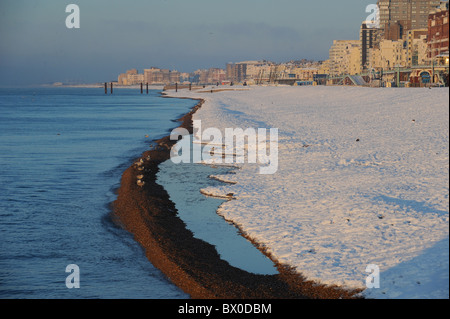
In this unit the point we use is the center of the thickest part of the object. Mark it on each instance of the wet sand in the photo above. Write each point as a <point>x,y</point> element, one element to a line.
<point>190,263</point>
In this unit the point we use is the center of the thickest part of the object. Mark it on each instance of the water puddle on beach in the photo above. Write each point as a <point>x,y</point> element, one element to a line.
<point>183,183</point>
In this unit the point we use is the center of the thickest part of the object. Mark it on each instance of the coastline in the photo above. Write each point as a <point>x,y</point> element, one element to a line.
<point>190,263</point>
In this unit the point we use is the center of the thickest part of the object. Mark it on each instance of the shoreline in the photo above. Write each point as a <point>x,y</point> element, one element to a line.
<point>190,263</point>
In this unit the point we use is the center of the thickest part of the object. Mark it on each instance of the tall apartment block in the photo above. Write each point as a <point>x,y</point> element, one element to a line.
<point>236,72</point>
<point>345,57</point>
<point>369,38</point>
<point>397,17</point>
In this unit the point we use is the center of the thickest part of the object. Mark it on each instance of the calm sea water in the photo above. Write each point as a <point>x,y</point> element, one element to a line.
<point>62,153</point>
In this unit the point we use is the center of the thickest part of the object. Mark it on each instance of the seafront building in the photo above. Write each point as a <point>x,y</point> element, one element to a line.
<point>389,56</point>
<point>438,27</point>
<point>397,17</point>
<point>208,76</point>
<point>266,72</point>
<point>412,35</point>
<point>417,48</point>
<point>303,74</point>
<point>131,77</point>
<point>236,72</point>
<point>369,38</point>
<point>345,57</point>
<point>161,76</point>
<point>150,76</point>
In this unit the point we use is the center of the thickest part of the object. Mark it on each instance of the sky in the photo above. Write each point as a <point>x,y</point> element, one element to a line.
<point>36,47</point>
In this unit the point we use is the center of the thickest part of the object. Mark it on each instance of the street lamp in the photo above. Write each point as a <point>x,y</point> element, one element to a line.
<point>433,64</point>
<point>398,66</point>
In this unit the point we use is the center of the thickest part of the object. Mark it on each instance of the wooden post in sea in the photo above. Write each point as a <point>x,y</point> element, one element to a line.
<point>106,88</point>
<point>142,89</point>
<point>111,88</point>
<point>190,86</point>
<point>176,87</point>
<point>147,87</point>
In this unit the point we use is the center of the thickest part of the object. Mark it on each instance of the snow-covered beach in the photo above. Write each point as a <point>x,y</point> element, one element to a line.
<point>362,180</point>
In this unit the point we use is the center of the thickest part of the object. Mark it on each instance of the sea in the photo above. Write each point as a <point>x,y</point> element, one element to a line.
<point>62,153</point>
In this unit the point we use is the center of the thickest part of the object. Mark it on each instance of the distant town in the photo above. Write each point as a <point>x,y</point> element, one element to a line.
<point>408,46</point>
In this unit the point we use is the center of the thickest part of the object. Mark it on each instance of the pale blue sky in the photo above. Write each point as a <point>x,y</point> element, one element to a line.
<point>116,35</point>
